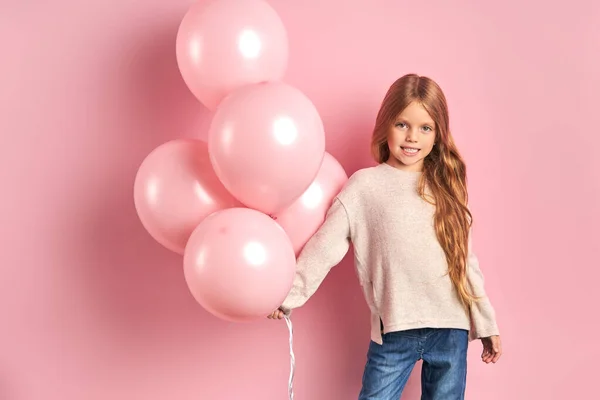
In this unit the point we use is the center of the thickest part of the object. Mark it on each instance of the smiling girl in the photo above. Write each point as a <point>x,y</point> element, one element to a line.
<point>410,227</point>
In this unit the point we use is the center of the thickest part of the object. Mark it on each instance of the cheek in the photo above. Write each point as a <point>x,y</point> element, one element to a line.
<point>428,144</point>
<point>390,142</point>
<point>394,138</point>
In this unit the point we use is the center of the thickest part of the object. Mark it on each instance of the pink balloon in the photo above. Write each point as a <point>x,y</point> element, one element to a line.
<point>226,44</point>
<point>266,143</point>
<point>239,264</point>
<point>175,189</point>
<point>304,217</point>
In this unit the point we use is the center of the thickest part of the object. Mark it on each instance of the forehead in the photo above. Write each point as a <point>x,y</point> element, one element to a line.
<point>416,114</point>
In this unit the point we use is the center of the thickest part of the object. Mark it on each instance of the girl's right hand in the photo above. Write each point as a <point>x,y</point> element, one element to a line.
<point>277,314</point>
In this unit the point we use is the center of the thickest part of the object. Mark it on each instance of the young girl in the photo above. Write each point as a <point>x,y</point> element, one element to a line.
<point>410,227</point>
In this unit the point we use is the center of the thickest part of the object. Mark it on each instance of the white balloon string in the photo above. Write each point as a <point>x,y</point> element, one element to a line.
<point>292,358</point>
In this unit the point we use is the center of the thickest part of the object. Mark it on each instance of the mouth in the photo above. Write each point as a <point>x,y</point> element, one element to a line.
<point>410,151</point>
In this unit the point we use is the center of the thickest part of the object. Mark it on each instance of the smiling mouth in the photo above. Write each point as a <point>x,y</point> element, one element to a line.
<point>410,151</point>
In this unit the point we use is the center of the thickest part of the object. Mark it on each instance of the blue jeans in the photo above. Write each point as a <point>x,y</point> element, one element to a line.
<point>444,369</point>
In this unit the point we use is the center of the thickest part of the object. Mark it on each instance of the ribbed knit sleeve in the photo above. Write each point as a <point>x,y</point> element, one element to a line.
<point>325,249</point>
<point>483,317</point>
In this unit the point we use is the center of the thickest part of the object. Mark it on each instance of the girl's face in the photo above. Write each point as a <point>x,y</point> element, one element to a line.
<point>411,138</point>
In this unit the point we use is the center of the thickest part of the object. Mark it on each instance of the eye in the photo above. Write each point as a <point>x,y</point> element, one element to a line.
<point>400,125</point>
<point>427,128</point>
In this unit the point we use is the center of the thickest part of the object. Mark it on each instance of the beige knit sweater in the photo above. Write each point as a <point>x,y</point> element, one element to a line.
<point>400,264</point>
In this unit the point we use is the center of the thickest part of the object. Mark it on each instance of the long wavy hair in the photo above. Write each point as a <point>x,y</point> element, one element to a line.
<point>443,182</point>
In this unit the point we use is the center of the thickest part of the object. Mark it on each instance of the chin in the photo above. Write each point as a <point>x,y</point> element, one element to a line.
<point>408,161</point>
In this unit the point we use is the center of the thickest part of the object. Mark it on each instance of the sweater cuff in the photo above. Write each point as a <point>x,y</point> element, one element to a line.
<point>286,310</point>
<point>480,332</point>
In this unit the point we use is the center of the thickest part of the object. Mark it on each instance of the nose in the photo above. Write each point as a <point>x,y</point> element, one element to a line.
<point>411,135</point>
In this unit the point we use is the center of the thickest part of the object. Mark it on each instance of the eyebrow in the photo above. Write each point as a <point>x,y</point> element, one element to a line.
<point>430,123</point>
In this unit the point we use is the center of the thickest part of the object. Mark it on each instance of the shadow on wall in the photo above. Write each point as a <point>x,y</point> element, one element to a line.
<point>349,135</point>
<point>159,104</point>
<point>135,286</point>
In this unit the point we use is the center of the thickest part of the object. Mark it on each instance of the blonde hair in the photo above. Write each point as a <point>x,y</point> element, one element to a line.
<point>444,171</point>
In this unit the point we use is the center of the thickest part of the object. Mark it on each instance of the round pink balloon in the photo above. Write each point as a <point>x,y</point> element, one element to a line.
<point>226,44</point>
<point>266,143</point>
<point>175,189</point>
<point>304,217</point>
<point>239,264</point>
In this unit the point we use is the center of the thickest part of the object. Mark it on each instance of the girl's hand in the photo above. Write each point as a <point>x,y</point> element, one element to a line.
<point>277,314</point>
<point>492,349</point>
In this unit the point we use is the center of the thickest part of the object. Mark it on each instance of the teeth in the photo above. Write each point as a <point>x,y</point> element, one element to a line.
<point>409,150</point>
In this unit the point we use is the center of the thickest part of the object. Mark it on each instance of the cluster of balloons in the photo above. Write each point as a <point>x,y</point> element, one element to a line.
<point>239,207</point>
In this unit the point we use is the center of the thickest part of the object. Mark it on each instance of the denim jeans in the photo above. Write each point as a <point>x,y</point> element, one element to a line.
<point>444,369</point>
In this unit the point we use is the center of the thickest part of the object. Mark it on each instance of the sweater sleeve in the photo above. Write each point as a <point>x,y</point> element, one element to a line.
<point>483,318</point>
<point>325,249</point>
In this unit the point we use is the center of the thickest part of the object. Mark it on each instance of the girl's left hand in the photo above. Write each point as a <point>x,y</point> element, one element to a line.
<point>492,349</point>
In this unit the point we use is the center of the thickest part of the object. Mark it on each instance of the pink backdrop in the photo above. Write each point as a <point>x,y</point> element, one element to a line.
<point>92,308</point>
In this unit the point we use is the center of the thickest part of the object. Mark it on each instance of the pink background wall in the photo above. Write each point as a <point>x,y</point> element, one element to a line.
<point>92,308</point>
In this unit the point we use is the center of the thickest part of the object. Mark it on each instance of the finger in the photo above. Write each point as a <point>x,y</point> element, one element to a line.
<point>486,356</point>
<point>497,349</point>
<point>497,356</point>
<point>280,314</point>
<point>485,351</point>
